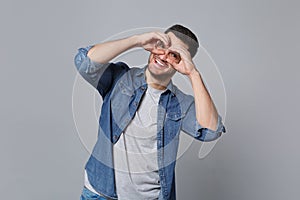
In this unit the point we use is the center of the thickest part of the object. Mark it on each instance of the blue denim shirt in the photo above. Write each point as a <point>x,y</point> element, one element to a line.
<point>122,89</point>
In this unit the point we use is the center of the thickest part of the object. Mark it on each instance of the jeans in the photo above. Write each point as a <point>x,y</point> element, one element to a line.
<point>89,195</point>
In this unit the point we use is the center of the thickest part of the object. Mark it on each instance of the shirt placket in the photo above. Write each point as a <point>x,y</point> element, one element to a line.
<point>161,112</point>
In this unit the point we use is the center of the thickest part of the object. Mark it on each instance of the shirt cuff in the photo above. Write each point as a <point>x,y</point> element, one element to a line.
<point>206,135</point>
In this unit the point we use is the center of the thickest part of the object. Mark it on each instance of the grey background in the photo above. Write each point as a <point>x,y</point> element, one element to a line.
<point>254,43</point>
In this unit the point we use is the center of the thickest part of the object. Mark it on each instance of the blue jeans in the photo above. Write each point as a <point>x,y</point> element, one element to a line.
<point>89,195</point>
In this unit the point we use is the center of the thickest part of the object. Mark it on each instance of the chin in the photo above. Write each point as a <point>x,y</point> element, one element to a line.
<point>160,69</point>
<point>160,74</point>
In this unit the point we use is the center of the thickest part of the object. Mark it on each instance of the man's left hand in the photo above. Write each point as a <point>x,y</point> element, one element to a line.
<point>186,65</point>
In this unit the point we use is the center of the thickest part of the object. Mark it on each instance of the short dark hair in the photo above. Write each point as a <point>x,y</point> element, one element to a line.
<point>187,36</point>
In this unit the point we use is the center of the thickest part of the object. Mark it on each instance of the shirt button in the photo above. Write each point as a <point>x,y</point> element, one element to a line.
<point>115,137</point>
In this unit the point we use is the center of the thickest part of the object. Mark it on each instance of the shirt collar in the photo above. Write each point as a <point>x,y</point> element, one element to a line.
<point>142,77</point>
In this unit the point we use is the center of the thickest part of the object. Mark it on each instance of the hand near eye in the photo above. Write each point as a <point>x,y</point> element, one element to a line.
<point>153,41</point>
<point>186,65</point>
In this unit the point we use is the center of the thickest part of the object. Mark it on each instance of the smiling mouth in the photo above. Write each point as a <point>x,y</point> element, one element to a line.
<point>160,63</point>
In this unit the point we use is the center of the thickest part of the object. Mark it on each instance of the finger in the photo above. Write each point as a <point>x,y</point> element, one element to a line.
<point>157,51</point>
<point>164,38</point>
<point>167,39</point>
<point>184,53</point>
<point>173,64</point>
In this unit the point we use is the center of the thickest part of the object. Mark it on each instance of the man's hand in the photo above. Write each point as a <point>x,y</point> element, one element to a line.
<point>105,52</point>
<point>206,113</point>
<point>186,65</point>
<point>154,42</point>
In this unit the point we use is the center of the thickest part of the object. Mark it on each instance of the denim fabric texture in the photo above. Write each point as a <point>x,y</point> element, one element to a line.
<point>122,89</point>
<point>89,195</point>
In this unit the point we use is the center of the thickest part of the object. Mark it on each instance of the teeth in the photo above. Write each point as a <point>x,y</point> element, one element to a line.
<point>159,62</point>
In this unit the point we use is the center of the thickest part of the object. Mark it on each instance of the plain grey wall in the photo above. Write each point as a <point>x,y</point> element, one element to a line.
<point>254,43</point>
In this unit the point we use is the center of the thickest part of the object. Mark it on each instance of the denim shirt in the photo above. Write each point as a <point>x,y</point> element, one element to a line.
<point>122,89</point>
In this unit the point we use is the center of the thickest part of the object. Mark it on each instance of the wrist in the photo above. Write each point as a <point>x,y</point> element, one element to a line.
<point>194,74</point>
<point>136,41</point>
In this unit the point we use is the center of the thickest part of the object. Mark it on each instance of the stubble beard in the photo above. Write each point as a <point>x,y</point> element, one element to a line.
<point>162,78</point>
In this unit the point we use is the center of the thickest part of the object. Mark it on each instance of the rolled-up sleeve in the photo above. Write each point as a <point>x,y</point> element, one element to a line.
<point>89,70</point>
<point>191,126</point>
<point>101,76</point>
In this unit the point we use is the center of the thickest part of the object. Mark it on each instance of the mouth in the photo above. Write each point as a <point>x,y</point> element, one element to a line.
<point>159,63</point>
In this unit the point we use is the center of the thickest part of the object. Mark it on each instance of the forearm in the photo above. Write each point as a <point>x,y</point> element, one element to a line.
<point>206,113</point>
<point>104,52</point>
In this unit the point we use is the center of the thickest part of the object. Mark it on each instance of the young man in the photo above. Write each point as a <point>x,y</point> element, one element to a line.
<point>143,113</point>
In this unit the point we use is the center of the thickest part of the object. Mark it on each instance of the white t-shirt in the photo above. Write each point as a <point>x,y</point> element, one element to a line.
<point>135,153</point>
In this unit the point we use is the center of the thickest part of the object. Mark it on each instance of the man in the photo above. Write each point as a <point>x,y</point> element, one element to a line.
<point>143,113</point>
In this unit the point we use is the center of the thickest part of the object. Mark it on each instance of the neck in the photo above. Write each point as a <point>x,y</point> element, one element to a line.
<point>155,82</point>
<point>157,86</point>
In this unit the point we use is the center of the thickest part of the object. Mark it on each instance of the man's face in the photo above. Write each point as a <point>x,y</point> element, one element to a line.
<point>158,65</point>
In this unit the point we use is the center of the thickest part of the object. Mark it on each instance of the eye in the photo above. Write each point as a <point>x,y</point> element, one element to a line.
<point>174,55</point>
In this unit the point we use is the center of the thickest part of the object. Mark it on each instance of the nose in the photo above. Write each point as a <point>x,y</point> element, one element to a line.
<point>164,56</point>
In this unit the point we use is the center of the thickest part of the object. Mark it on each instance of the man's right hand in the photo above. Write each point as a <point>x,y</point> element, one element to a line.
<point>154,42</point>
<point>104,52</point>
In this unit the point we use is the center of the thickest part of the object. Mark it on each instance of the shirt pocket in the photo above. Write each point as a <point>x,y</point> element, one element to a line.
<point>124,89</point>
<point>175,116</point>
<point>121,97</point>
